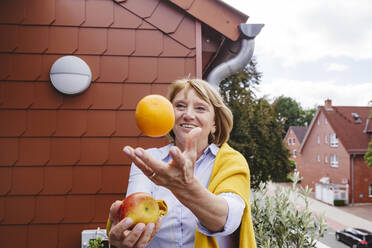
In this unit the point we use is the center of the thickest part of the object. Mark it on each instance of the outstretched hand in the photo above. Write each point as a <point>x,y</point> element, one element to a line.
<point>175,175</point>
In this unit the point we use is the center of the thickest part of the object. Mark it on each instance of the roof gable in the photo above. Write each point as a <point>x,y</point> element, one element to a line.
<point>299,131</point>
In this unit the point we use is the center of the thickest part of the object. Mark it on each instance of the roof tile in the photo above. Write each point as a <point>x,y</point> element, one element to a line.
<point>92,41</point>
<point>41,122</point>
<point>12,122</point>
<point>79,209</point>
<point>14,236</point>
<point>94,151</point>
<point>147,25</point>
<point>149,142</point>
<point>186,33</point>
<point>126,124</point>
<point>190,67</point>
<point>148,43</point>
<point>47,235</point>
<point>185,4</point>
<point>5,180</point>
<point>8,151</point>
<point>117,156</point>
<point>142,69</point>
<point>120,41</point>
<point>46,96</point>
<point>70,235</point>
<point>86,179</point>
<point>94,65</point>
<point>63,40</point>
<point>143,8</point>
<point>6,62</point>
<point>132,94</point>
<point>70,12</point>
<point>113,69</point>
<point>101,123</point>
<point>27,181</point>
<point>102,206</point>
<point>115,179</point>
<point>17,95</point>
<point>125,19</point>
<point>64,151</point>
<point>71,123</point>
<point>32,39</point>
<point>170,69</point>
<point>47,62</point>
<point>8,41</point>
<point>12,11</point>
<point>106,13</point>
<point>160,89</point>
<point>57,180</point>
<point>49,209</point>
<point>19,210</point>
<point>33,151</point>
<point>80,101</point>
<point>2,208</point>
<point>166,17</point>
<point>173,48</point>
<point>107,96</point>
<point>40,12</point>
<point>26,67</point>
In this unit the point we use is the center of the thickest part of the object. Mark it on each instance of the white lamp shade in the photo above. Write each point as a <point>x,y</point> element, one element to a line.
<point>70,75</point>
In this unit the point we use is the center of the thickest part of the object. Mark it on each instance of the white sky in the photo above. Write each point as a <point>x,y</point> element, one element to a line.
<point>313,50</point>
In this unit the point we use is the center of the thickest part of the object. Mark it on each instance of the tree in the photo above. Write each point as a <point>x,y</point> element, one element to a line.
<point>291,113</point>
<point>368,155</point>
<point>257,132</point>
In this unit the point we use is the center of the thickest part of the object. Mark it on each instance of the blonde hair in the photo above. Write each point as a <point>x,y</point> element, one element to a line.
<point>223,115</point>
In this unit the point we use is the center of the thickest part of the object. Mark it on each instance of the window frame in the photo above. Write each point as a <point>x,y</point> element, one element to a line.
<point>334,162</point>
<point>333,140</point>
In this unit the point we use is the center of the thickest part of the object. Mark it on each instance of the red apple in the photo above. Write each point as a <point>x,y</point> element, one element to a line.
<point>141,207</point>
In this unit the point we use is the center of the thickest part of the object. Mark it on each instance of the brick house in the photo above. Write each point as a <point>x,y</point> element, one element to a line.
<point>333,148</point>
<point>293,139</point>
<point>61,159</point>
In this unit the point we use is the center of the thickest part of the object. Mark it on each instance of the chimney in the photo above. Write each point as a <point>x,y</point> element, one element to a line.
<point>328,104</point>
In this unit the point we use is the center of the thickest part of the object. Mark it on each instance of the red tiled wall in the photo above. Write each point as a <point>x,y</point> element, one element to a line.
<point>61,159</point>
<point>362,180</point>
<point>310,169</point>
<point>293,147</point>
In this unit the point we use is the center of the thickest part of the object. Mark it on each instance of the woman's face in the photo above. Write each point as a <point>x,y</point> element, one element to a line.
<point>190,112</point>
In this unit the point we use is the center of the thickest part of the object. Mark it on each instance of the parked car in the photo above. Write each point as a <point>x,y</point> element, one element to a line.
<point>355,237</point>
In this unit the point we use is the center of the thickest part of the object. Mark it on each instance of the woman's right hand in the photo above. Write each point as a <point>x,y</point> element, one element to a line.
<point>124,234</point>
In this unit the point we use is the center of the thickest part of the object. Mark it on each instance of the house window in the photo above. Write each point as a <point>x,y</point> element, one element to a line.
<point>293,141</point>
<point>333,140</point>
<point>318,158</point>
<point>289,141</point>
<point>334,160</point>
<point>294,153</point>
<point>326,159</point>
<point>318,122</point>
<point>370,190</point>
<point>325,121</point>
<point>325,139</point>
<point>318,140</point>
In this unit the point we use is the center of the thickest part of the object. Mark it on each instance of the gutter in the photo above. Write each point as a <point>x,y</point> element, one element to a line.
<point>225,69</point>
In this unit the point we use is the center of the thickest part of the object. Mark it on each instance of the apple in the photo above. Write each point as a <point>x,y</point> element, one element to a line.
<point>141,207</point>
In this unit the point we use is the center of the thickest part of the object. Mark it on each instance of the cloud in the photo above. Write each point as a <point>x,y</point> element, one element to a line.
<point>310,93</point>
<point>336,67</point>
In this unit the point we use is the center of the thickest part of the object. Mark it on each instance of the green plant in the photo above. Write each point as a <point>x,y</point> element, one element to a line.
<point>278,223</point>
<point>339,202</point>
<point>95,243</point>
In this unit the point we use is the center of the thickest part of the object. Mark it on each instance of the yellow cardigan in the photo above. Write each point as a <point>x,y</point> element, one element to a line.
<point>231,174</point>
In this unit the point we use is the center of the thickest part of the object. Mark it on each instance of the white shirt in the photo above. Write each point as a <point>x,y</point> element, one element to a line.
<point>178,226</point>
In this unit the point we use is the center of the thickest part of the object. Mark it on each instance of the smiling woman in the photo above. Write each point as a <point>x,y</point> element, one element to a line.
<point>204,182</point>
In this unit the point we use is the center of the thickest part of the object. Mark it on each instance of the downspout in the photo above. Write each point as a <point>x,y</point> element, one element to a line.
<point>225,69</point>
<point>352,179</point>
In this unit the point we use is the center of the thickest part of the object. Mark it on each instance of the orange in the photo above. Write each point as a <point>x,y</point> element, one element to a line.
<point>155,115</point>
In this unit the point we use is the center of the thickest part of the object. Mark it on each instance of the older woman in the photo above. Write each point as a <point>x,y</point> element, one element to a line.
<point>204,182</point>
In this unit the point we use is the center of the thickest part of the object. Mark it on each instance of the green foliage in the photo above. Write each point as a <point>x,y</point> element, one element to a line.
<point>339,202</point>
<point>368,155</point>
<point>257,132</point>
<point>291,113</point>
<point>277,221</point>
<point>95,243</point>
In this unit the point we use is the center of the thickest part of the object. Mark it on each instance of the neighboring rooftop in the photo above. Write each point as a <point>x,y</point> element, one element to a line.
<point>299,131</point>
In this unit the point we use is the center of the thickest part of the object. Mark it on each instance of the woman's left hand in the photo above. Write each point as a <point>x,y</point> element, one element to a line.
<point>177,174</point>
